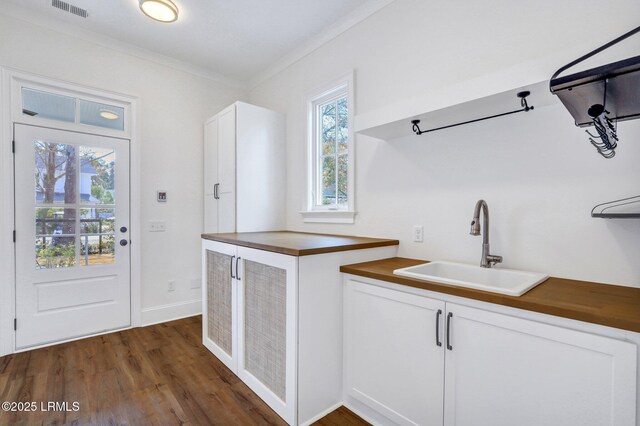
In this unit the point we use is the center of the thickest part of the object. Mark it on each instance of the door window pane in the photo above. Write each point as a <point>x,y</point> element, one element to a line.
<point>97,175</point>
<point>101,115</point>
<point>37,103</point>
<point>97,239</point>
<point>55,173</point>
<point>55,243</point>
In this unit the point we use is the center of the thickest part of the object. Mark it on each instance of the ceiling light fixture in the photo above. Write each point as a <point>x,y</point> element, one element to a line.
<point>160,10</point>
<point>108,114</point>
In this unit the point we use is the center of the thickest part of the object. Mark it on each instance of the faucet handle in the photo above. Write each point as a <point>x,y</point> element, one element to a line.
<point>493,259</point>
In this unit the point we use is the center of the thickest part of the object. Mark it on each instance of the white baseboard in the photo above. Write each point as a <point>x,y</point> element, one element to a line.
<point>322,414</point>
<point>170,312</point>
<point>365,413</point>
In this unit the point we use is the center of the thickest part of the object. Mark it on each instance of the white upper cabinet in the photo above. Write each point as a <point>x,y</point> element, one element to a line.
<point>244,167</point>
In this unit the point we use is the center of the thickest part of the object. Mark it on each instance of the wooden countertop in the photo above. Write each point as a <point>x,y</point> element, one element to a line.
<point>299,243</point>
<point>610,305</point>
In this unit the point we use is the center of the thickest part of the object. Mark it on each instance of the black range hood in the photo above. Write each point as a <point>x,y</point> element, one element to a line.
<point>615,85</point>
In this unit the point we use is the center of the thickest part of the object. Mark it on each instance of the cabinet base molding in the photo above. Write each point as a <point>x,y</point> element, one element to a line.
<point>171,312</point>
<point>365,412</point>
<point>323,414</point>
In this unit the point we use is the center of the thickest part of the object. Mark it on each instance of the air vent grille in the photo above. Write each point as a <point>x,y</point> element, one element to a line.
<point>63,5</point>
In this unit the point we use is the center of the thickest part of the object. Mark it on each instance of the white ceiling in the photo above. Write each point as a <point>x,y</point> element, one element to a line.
<point>237,39</point>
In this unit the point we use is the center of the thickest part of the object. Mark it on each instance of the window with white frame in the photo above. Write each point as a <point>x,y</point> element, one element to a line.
<point>331,151</point>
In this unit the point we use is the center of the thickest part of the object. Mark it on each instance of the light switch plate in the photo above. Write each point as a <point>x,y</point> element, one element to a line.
<point>157,226</point>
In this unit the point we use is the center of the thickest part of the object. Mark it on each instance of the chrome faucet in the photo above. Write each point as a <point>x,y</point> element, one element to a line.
<point>487,260</point>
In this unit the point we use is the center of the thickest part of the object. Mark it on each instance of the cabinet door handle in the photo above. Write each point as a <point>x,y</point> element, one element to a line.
<point>215,191</point>
<point>231,268</point>
<point>449,316</point>
<point>238,273</point>
<point>438,342</point>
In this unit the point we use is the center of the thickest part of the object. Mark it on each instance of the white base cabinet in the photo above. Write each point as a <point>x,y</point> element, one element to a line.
<point>491,369</point>
<point>250,319</point>
<point>276,321</point>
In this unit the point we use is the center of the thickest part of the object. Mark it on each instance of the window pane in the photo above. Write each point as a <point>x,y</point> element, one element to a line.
<point>48,105</point>
<point>343,124</point>
<point>328,127</point>
<point>55,243</point>
<point>97,175</point>
<point>343,167</point>
<point>55,173</point>
<point>97,242</point>
<point>101,115</point>
<point>97,221</point>
<point>328,180</point>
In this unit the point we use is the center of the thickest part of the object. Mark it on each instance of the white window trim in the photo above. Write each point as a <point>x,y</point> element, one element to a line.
<point>329,214</point>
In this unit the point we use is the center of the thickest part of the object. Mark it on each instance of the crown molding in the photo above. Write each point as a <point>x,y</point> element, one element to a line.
<point>350,20</point>
<point>34,17</point>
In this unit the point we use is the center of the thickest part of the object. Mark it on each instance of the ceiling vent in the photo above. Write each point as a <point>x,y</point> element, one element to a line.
<point>62,5</point>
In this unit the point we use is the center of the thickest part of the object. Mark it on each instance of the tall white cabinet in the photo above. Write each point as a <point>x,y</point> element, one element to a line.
<point>244,170</point>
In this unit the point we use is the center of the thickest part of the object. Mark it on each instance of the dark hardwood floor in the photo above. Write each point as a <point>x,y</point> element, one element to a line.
<point>157,375</point>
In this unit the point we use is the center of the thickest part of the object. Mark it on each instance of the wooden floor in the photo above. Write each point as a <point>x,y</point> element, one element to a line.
<point>158,375</point>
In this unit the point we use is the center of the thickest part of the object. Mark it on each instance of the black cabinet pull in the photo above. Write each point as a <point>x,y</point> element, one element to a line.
<point>215,191</point>
<point>238,273</point>
<point>231,267</point>
<point>449,316</point>
<point>438,342</point>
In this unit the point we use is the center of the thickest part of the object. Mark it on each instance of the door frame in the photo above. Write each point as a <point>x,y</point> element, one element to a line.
<point>11,81</point>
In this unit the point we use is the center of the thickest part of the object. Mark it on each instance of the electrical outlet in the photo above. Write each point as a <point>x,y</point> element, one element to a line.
<point>418,233</point>
<point>157,226</point>
<point>172,285</point>
<point>195,283</point>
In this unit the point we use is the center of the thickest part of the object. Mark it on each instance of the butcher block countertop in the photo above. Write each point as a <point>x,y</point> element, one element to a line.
<point>604,304</point>
<point>299,243</point>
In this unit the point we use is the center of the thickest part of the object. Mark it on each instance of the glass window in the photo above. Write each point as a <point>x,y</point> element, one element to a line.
<point>41,104</point>
<point>331,147</point>
<point>101,115</point>
<point>53,106</point>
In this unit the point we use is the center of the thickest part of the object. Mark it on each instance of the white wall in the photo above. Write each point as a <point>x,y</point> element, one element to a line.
<point>173,107</point>
<point>538,172</point>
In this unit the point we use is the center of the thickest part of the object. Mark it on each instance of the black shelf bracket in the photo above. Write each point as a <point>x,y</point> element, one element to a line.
<point>523,103</point>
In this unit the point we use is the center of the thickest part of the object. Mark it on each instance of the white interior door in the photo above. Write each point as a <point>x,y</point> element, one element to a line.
<point>72,245</point>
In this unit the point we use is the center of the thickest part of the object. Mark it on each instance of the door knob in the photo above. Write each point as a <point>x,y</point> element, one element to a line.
<point>123,243</point>
<point>123,229</point>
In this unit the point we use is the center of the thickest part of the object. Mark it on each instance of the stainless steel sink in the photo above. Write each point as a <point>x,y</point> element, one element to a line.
<point>503,281</point>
